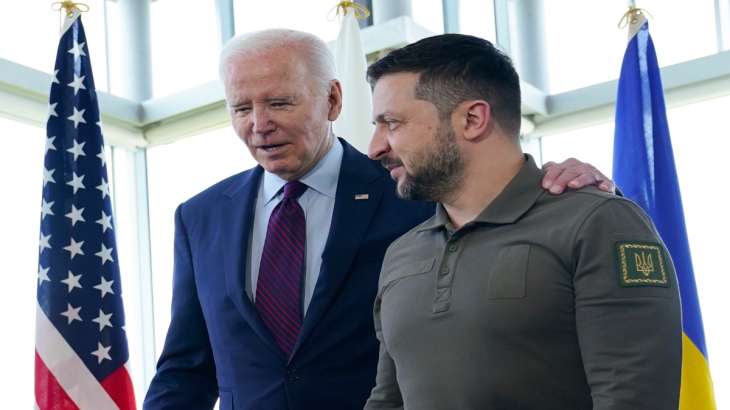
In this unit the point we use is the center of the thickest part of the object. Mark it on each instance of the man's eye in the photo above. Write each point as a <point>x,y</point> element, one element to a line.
<point>280,104</point>
<point>392,125</point>
<point>242,110</point>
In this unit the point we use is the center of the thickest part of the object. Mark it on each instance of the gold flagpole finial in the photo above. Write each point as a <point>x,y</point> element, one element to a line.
<point>632,16</point>
<point>70,7</point>
<point>342,8</point>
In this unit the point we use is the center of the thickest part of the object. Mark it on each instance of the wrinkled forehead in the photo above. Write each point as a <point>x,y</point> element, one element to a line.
<point>271,71</point>
<point>283,62</point>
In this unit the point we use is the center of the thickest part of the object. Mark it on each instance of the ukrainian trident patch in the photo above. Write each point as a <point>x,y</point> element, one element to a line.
<point>641,264</point>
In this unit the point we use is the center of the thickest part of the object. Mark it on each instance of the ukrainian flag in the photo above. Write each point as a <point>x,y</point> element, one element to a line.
<point>643,166</point>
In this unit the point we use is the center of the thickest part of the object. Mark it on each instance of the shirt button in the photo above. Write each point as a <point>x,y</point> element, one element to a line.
<point>452,247</point>
<point>444,271</point>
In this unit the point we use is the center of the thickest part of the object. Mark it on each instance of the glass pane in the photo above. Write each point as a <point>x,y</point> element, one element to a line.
<point>125,229</point>
<point>20,221</point>
<point>476,17</point>
<point>312,16</point>
<point>697,130</point>
<point>429,14</point>
<point>34,45</point>
<point>591,144</point>
<point>585,45</point>
<point>176,172</point>
<point>185,43</point>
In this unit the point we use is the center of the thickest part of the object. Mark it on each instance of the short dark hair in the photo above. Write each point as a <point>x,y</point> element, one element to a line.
<point>454,68</point>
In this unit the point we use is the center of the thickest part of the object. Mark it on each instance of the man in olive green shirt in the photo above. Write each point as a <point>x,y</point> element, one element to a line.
<point>508,297</point>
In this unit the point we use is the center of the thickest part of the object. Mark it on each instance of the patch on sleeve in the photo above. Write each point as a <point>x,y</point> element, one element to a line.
<point>641,264</point>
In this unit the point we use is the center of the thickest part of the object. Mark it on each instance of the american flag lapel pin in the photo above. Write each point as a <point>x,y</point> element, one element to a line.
<point>361,197</point>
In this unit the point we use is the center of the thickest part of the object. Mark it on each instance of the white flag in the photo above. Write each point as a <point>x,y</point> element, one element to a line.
<point>355,122</point>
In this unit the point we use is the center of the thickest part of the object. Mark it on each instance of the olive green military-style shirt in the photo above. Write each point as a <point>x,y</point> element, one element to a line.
<point>542,302</point>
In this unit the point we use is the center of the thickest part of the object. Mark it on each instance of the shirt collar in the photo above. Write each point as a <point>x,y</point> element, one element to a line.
<point>518,197</point>
<point>322,178</point>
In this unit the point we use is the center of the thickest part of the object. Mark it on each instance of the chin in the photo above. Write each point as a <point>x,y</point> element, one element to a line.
<point>277,167</point>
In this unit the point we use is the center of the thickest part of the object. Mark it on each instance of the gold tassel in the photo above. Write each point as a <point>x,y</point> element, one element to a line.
<point>632,17</point>
<point>360,11</point>
<point>70,7</point>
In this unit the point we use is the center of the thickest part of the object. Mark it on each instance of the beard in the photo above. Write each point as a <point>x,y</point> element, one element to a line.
<point>437,169</point>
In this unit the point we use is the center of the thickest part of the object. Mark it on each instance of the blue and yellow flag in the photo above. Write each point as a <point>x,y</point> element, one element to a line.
<point>643,166</point>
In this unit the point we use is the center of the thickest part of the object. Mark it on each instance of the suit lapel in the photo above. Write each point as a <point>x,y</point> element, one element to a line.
<point>237,218</point>
<point>350,220</point>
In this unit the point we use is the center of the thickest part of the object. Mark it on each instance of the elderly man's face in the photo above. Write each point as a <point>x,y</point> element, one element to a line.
<point>280,112</point>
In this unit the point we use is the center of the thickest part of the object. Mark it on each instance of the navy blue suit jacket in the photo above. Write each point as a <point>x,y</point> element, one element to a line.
<point>218,346</point>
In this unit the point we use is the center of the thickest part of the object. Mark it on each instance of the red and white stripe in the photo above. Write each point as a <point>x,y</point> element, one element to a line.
<point>62,380</point>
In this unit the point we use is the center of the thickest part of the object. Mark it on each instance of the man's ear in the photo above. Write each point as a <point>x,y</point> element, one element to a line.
<point>335,100</point>
<point>475,118</point>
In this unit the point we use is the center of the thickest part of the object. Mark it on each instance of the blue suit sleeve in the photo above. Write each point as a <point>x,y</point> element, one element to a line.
<point>185,375</point>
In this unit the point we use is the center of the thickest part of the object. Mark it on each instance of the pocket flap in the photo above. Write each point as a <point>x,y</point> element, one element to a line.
<point>409,269</point>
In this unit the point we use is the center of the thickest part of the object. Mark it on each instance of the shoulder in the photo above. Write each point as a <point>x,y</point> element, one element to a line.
<point>582,205</point>
<point>592,216</point>
<point>237,184</point>
<point>584,197</point>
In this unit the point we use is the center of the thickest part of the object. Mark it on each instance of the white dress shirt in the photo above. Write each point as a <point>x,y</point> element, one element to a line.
<point>318,203</point>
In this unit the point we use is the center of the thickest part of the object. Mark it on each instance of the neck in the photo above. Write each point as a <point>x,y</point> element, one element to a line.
<point>486,174</point>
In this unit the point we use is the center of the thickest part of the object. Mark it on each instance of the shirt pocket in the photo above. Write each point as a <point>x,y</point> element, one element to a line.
<point>508,275</point>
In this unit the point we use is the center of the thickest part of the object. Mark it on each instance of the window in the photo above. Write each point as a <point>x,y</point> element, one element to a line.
<point>312,16</point>
<point>20,221</point>
<point>176,172</point>
<point>585,46</point>
<point>185,43</point>
<point>476,17</point>
<point>29,36</point>
<point>429,14</point>
<point>590,144</point>
<point>701,140</point>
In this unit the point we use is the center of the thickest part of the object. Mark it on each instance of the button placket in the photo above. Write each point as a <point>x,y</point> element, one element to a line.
<point>445,276</point>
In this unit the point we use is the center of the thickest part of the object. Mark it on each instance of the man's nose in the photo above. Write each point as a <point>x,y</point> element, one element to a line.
<point>262,121</point>
<point>378,145</point>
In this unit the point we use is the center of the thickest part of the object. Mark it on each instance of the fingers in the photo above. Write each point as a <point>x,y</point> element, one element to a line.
<point>603,182</point>
<point>552,171</point>
<point>558,175</point>
<point>569,178</point>
<point>584,179</point>
<point>607,186</point>
<point>574,174</point>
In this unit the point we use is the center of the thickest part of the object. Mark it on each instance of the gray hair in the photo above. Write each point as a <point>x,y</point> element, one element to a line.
<point>316,55</point>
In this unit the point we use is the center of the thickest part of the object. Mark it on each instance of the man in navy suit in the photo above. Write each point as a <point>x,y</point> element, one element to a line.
<point>242,329</point>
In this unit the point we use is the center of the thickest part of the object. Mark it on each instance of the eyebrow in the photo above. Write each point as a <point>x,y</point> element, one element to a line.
<point>381,117</point>
<point>236,105</point>
<point>291,98</point>
<point>282,98</point>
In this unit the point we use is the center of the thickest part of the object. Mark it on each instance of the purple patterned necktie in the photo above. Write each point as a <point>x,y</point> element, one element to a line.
<point>279,287</point>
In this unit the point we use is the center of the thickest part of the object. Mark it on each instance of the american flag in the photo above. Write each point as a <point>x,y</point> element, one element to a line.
<point>81,346</point>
